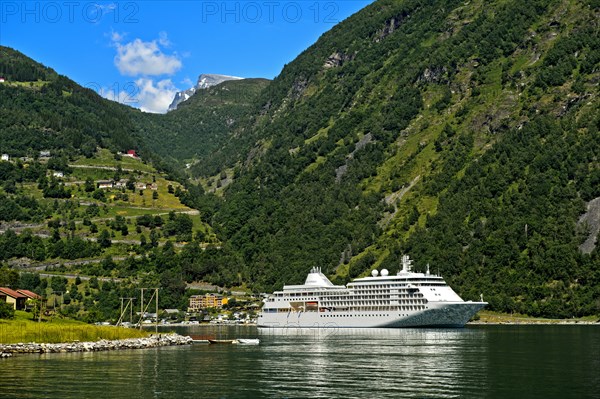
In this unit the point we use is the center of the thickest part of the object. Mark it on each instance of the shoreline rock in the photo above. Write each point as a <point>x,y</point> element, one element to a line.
<point>154,341</point>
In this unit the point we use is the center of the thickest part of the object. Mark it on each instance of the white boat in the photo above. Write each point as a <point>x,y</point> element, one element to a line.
<point>408,299</point>
<point>248,341</point>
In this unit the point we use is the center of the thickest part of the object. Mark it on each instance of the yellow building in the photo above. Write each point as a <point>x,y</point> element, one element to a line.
<point>198,302</point>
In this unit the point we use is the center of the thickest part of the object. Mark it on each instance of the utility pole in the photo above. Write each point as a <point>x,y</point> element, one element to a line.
<point>143,310</point>
<point>123,310</point>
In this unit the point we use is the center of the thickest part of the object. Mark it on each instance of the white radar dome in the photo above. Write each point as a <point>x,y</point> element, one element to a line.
<point>374,273</point>
<point>384,272</point>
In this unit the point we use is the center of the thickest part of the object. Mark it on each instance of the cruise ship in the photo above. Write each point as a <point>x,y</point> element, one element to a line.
<point>408,299</point>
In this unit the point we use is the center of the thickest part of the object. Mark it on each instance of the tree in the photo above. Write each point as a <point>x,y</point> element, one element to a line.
<point>58,284</point>
<point>154,236</point>
<point>143,241</point>
<point>9,277</point>
<point>104,239</point>
<point>89,185</point>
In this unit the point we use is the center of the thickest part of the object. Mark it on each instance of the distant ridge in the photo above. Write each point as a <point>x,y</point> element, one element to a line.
<point>205,81</point>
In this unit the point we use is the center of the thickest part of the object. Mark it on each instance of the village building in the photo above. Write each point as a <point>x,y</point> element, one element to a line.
<point>5,157</point>
<point>59,175</point>
<point>131,154</point>
<point>152,186</point>
<point>2,80</point>
<point>140,186</point>
<point>198,302</point>
<point>105,183</point>
<point>29,294</point>
<point>45,154</point>
<point>121,183</point>
<point>12,297</point>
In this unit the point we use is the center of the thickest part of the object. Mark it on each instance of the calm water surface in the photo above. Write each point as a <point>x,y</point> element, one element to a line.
<point>475,362</point>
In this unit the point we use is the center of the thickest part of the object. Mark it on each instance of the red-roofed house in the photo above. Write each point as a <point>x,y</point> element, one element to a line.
<point>13,297</point>
<point>131,153</point>
<point>29,294</point>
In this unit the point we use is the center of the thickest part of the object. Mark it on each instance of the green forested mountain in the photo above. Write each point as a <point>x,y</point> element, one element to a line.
<point>203,123</point>
<point>464,134</point>
<point>43,111</point>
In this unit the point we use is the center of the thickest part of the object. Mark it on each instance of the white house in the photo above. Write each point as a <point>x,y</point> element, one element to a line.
<point>2,80</point>
<point>59,175</point>
<point>105,183</point>
<point>5,157</point>
<point>121,183</point>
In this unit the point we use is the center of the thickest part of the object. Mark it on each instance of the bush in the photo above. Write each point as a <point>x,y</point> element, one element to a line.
<point>6,311</point>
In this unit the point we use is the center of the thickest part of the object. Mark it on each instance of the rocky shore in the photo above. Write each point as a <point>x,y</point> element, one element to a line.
<point>7,350</point>
<point>536,322</point>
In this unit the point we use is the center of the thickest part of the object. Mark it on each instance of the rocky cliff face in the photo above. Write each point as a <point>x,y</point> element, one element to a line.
<point>204,81</point>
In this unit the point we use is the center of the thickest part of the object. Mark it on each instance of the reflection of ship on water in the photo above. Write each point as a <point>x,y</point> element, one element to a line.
<point>372,362</point>
<point>408,299</point>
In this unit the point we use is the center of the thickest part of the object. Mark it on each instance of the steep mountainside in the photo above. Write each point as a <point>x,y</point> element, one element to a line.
<point>465,134</point>
<point>41,110</point>
<point>203,123</point>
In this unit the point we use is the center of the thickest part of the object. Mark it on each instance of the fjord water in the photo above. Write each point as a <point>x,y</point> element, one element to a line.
<point>474,362</point>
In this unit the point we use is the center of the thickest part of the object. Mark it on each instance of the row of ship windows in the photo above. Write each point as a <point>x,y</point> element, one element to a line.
<point>352,294</point>
<point>358,289</point>
<point>387,286</point>
<point>358,295</point>
<point>374,295</point>
<point>371,303</point>
<point>403,298</point>
<point>355,315</point>
<point>353,309</point>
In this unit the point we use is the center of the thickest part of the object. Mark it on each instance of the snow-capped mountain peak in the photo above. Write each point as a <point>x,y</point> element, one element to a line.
<point>205,81</point>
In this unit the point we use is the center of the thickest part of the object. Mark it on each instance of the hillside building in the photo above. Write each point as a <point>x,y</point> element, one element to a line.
<point>199,302</point>
<point>12,297</point>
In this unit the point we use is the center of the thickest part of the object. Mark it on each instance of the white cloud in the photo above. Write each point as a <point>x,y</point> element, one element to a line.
<point>144,58</point>
<point>116,36</point>
<point>163,39</point>
<point>144,94</point>
<point>155,97</point>
<point>146,62</point>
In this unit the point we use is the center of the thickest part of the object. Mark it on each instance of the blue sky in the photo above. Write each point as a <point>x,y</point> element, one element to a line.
<point>142,52</point>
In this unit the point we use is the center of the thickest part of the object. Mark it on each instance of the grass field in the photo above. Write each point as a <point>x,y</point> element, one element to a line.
<point>486,316</point>
<point>105,158</point>
<point>23,329</point>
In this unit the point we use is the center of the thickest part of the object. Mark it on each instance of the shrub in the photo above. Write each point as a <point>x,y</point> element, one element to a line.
<point>6,311</point>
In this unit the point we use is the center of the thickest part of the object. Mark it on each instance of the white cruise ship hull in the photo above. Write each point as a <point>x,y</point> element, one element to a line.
<point>441,314</point>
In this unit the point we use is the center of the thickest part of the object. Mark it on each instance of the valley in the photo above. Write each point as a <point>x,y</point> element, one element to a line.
<point>463,134</point>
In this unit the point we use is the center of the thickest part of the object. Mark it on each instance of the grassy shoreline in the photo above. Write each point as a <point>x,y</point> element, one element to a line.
<point>489,317</point>
<point>24,329</point>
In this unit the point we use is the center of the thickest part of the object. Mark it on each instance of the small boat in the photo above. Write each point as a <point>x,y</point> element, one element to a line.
<point>223,341</point>
<point>248,341</point>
